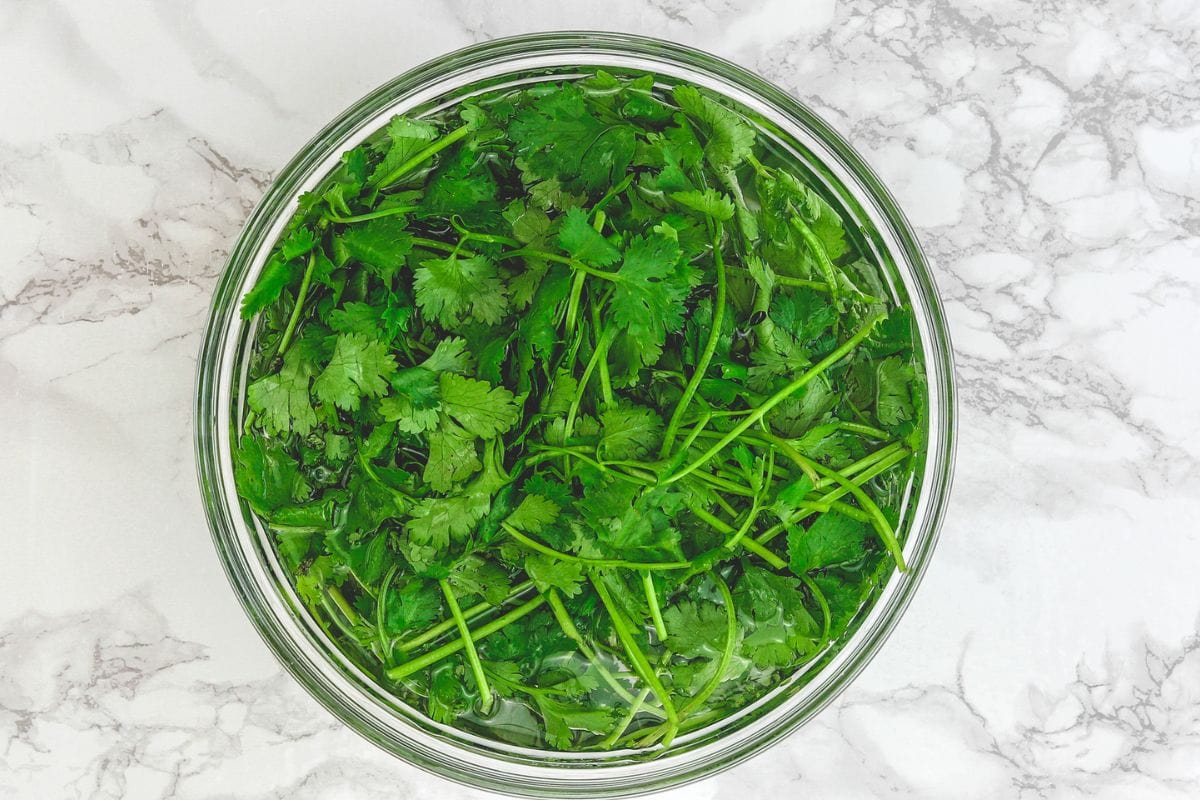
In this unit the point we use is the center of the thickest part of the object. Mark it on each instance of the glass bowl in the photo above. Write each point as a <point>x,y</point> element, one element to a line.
<point>247,552</point>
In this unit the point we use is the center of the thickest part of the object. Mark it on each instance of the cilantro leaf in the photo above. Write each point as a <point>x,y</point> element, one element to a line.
<point>282,400</point>
<point>649,292</point>
<point>381,244</point>
<point>414,404</point>
<point>450,288</point>
<point>452,457</point>
<point>709,202</point>
<point>437,520</point>
<point>481,409</point>
<point>562,139</point>
<point>629,432</point>
<point>412,607</point>
<point>551,573</point>
<point>697,629</point>
<point>275,276</point>
<point>730,138</point>
<point>358,368</point>
<point>832,540</point>
<point>893,403</point>
<point>534,513</point>
<point>582,241</point>
<point>406,138</point>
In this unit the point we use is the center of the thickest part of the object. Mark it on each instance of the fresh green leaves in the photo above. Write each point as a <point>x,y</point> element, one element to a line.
<point>453,288</point>
<point>282,400</point>
<point>379,244</point>
<point>730,138</point>
<point>489,393</point>
<point>561,138</point>
<point>649,292</point>
<point>359,368</point>
<point>480,409</point>
<point>834,539</point>
<point>577,236</point>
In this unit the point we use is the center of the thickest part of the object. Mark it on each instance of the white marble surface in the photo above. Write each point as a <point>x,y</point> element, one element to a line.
<point>1048,153</point>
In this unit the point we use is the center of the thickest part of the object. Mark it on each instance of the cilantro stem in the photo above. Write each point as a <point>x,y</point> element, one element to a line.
<point>788,280</point>
<point>445,247</point>
<point>858,466</point>
<point>572,315</point>
<point>636,706</point>
<point>865,430</point>
<point>755,547</point>
<point>332,608</point>
<point>724,483</point>
<point>830,501</point>
<point>450,648</point>
<point>388,644</point>
<point>533,544</point>
<point>722,665</point>
<point>340,601</point>
<point>758,413</point>
<point>606,391</point>
<point>470,613</point>
<point>696,430</point>
<point>710,347</point>
<point>627,477</point>
<point>623,725</point>
<point>660,627</point>
<point>383,212</point>
<point>636,656</point>
<point>572,633</point>
<point>422,155</point>
<point>887,451</point>
<point>882,526</point>
<point>598,354</point>
<point>724,504</point>
<point>726,652</point>
<point>485,691</point>
<point>740,533</point>
<point>294,319</point>
<point>820,255</point>
<point>617,188</point>
<point>819,596</point>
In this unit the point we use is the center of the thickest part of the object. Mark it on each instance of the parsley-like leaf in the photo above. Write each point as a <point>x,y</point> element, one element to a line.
<point>358,368</point>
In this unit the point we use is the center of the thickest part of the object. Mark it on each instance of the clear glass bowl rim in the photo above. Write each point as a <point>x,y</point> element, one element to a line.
<point>270,605</point>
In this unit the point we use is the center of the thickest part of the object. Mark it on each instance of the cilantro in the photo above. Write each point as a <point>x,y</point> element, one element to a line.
<point>584,369</point>
<point>358,368</point>
<point>452,457</point>
<point>649,293</point>
<point>282,400</point>
<point>582,241</point>
<point>832,540</point>
<point>450,288</point>
<point>380,244</point>
<point>479,408</point>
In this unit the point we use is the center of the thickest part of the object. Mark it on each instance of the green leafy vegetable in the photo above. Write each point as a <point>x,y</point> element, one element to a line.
<point>579,398</point>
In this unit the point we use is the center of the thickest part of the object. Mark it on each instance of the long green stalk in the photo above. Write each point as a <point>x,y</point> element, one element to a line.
<point>450,648</point>
<point>294,319</point>
<point>481,682</point>
<point>758,413</point>
<point>447,625</point>
<point>710,347</point>
<point>637,657</point>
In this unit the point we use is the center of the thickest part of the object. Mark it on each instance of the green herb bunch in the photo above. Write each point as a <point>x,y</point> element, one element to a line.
<point>578,414</point>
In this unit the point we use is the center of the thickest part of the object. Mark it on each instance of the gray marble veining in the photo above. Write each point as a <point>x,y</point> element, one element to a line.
<point>1048,153</point>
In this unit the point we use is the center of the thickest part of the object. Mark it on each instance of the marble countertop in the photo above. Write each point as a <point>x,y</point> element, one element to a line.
<point>1048,154</point>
